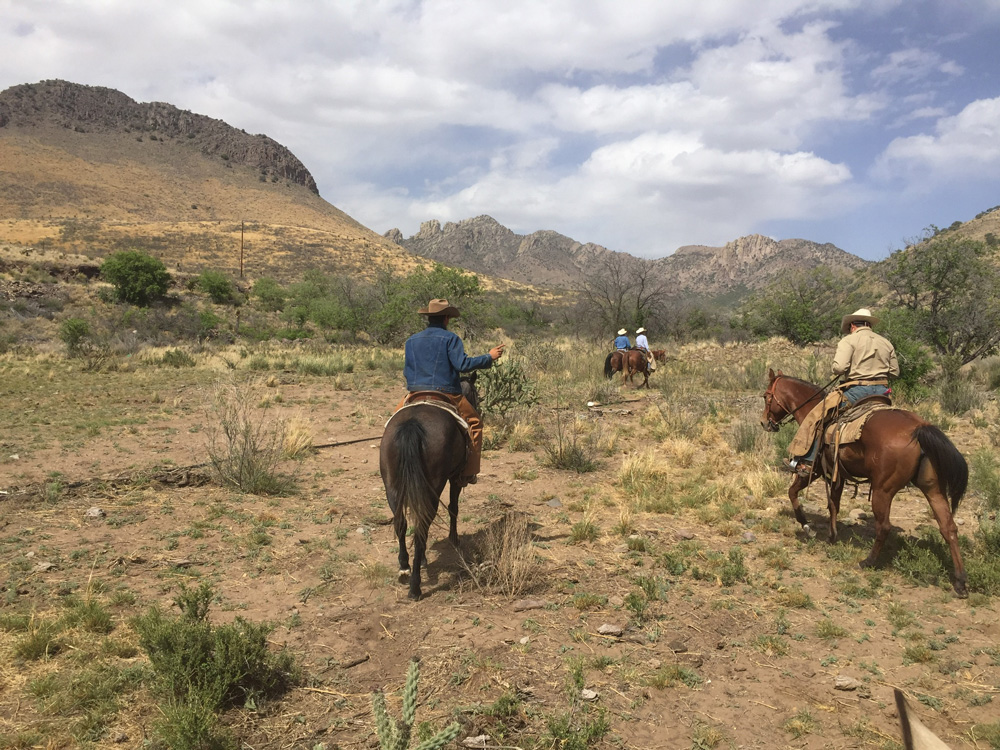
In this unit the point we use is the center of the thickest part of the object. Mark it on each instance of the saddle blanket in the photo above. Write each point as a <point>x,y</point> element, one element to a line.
<point>440,405</point>
<point>847,428</point>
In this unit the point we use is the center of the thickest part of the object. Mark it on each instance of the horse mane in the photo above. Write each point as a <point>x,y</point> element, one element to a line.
<point>798,380</point>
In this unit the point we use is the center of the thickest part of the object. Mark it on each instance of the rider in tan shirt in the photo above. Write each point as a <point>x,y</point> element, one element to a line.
<point>865,360</point>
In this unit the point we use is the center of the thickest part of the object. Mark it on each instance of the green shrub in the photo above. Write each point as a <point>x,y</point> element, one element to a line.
<point>137,278</point>
<point>74,332</point>
<point>986,478</point>
<point>218,287</point>
<point>176,358</point>
<point>271,295</point>
<point>201,669</point>
<point>505,386</point>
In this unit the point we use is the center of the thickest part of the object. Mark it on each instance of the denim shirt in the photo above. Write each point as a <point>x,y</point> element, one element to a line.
<point>435,358</point>
<point>622,342</point>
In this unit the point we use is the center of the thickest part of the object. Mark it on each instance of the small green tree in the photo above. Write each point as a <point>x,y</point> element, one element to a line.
<point>74,332</point>
<point>137,278</point>
<point>950,286</point>
<point>270,293</point>
<point>219,287</point>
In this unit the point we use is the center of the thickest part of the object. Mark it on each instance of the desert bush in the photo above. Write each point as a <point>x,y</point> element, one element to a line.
<point>986,478</point>
<point>73,332</point>
<point>505,386</point>
<point>245,445</point>
<point>744,436</point>
<point>218,287</point>
<point>175,358</point>
<point>957,394</point>
<point>201,668</point>
<point>137,278</point>
<point>505,561</point>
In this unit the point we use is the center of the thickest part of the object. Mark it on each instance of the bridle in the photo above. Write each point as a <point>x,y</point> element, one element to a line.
<point>771,397</point>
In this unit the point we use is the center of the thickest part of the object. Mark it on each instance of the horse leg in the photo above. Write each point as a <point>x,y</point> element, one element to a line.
<point>946,524</point>
<point>399,524</point>
<point>836,491</point>
<point>881,502</point>
<point>419,558</point>
<point>455,489</point>
<point>799,483</point>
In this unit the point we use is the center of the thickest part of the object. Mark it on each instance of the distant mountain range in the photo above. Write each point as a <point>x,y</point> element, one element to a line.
<point>86,169</point>
<point>548,258</point>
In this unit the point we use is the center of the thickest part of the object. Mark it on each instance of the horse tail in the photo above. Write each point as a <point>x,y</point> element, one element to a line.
<point>415,496</point>
<point>950,465</point>
<point>608,372</point>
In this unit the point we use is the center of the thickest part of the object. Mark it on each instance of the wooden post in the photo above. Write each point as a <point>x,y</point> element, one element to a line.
<point>241,249</point>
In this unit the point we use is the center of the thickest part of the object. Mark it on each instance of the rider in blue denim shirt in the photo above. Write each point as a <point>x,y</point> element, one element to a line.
<point>434,360</point>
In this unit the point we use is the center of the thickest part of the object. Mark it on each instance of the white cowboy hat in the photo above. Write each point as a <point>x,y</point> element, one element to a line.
<point>640,330</point>
<point>622,332</point>
<point>864,314</point>
<point>439,307</point>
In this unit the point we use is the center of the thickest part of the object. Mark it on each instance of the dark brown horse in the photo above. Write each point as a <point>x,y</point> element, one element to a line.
<point>423,447</point>
<point>629,363</point>
<point>896,448</point>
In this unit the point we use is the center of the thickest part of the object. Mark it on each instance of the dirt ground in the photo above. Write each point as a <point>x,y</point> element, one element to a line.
<point>759,659</point>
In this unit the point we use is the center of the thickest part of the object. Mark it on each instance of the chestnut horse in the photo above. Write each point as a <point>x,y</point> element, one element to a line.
<point>423,447</point>
<point>896,448</point>
<point>628,363</point>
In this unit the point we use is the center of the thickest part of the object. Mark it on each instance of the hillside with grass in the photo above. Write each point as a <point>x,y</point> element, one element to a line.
<point>89,171</point>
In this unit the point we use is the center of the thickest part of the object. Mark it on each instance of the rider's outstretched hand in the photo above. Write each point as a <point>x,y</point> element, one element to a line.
<point>496,352</point>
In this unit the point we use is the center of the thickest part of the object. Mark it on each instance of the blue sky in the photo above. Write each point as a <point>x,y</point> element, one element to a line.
<point>641,126</point>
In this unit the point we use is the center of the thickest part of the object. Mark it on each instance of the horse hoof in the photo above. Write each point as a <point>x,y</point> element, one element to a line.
<point>866,563</point>
<point>808,531</point>
<point>415,597</point>
<point>404,575</point>
<point>962,592</point>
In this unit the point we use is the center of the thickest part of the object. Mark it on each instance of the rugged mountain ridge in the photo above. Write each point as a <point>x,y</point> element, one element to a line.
<point>484,245</point>
<point>95,109</point>
<point>87,170</point>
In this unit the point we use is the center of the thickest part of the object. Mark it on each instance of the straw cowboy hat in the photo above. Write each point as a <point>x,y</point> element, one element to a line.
<point>440,307</point>
<point>622,332</point>
<point>862,315</point>
<point>640,330</point>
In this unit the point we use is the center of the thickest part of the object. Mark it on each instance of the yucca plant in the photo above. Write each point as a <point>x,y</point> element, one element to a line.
<point>393,735</point>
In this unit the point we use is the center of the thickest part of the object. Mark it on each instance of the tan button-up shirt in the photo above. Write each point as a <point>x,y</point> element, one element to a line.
<point>864,355</point>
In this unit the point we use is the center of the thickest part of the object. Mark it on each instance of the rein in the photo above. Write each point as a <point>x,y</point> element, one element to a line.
<point>790,413</point>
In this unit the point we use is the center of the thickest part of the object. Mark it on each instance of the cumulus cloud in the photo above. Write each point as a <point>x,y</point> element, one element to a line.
<point>966,145</point>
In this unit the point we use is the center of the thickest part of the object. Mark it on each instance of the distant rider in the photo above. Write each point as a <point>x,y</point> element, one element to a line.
<point>642,343</point>
<point>622,343</point>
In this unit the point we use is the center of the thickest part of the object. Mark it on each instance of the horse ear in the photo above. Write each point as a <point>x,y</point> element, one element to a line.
<point>770,375</point>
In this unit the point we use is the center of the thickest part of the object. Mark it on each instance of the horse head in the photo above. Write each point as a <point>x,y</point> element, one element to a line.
<point>774,410</point>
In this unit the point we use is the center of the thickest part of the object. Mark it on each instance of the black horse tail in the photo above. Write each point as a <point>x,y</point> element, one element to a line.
<point>950,465</point>
<point>414,492</point>
<point>608,372</point>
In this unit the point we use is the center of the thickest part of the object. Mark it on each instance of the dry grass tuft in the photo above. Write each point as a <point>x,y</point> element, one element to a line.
<point>503,560</point>
<point>298,439</point>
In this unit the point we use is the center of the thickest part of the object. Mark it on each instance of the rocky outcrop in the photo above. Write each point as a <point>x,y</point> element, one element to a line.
<point>94,109</point>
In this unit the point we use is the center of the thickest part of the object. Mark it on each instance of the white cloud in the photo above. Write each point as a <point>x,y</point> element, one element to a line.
<point>966,145</point>
<point>914,64</point>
